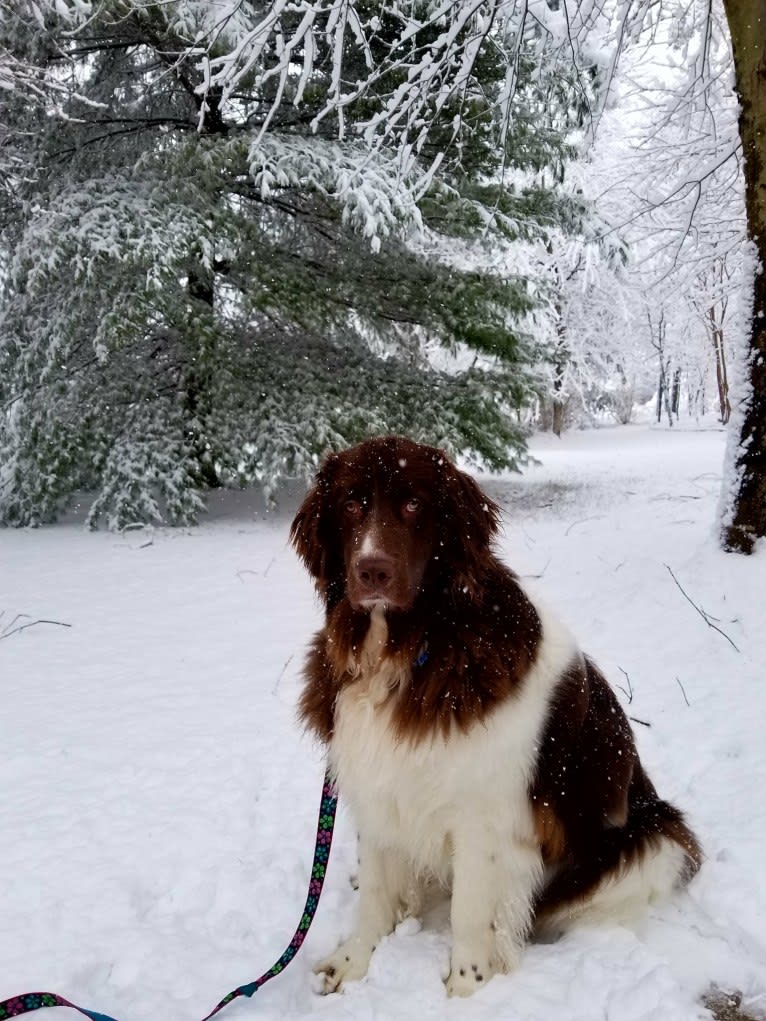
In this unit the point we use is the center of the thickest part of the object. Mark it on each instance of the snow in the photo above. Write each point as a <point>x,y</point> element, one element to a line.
<point>159,800</point>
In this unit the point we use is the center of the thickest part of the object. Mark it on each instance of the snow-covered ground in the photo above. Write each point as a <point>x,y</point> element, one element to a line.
<point>159,800</point>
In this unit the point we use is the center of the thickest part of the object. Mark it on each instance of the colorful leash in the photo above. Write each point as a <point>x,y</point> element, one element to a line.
<point>27,1002</point>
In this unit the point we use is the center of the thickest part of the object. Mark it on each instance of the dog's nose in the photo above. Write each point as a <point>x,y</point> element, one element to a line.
<point>375,573</point>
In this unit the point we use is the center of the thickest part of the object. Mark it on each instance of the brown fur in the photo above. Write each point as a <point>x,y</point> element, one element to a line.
<point>601,811</point>
<point>462,636</point>
<point>461,601</point>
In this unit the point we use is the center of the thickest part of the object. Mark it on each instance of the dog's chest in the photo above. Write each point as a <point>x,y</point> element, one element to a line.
<point>414,795</point>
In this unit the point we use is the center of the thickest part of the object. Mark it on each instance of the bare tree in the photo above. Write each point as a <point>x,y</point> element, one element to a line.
<point>711,307</point>
<point>685,200</point>
<point>658,331</point>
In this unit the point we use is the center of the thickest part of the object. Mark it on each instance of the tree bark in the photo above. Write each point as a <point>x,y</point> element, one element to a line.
<point>675,397</point>
<point>747,25</point>
<point>560,366</point>
<point>557,424</point>
<point>721,372</point>
<point>196,396</point>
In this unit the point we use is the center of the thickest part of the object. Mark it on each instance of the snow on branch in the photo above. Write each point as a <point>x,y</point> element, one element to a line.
<point>403,80</point>
<point>72,11</point>
<point>370,193</point>
<point>415,57</point>
<point>408,61</point>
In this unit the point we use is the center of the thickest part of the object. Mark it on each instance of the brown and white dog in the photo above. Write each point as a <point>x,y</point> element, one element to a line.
<point>474,743</point>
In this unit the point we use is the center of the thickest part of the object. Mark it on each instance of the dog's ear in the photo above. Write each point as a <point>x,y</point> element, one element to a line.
<point>309,530</point>
<point>471,523</point>
<point>479,516</point>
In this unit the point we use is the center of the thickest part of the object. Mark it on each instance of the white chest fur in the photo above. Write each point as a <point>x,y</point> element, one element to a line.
<point>414,798</point>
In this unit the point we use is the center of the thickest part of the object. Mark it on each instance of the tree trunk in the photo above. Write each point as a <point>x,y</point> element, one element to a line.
<point>675,399</point>
<point>560,367</point>
<point>557,425</point>
<point>196,396</point>
<point>657,335</point>
<point>721,375</point>
<point>664,393</point>
<point>747,26</point>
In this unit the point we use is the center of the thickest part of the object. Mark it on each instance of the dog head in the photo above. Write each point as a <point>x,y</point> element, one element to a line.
<point>389,518</point>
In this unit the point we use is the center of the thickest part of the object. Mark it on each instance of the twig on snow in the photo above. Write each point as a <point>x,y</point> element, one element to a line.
<point>138,526</point>
<point>17,617</point>
<point>642,722</point>
<point>581,521</point>
<point>541,572</point>
<point>705,616</point>
<point>629,692</point>
<point>678,682</point>
<point>281,674</point>
<point>34,623</point>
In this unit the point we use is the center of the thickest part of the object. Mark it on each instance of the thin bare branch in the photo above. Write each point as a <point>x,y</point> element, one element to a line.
<point>34,623</point>
<point>705,616</point>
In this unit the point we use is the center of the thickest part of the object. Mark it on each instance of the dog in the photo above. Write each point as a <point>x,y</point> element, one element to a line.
<point>474,743</point>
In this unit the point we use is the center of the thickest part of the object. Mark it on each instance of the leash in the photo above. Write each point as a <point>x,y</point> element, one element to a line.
<point>27,1002</point>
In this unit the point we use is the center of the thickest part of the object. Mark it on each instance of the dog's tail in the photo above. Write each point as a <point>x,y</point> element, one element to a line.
<point>622,871</point>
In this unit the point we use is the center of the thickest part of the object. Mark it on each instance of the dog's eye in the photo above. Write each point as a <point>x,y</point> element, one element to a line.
<point>353,508</point>
<point>411,507</point>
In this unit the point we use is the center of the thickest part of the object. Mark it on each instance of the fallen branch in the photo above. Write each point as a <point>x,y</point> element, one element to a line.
<point>34,623</point>
<point>642,722</point>
<point>705,616</point>
<point>541,572</point>
<point>281,674</point>
<point>678,682</point>
<point>629,693</point>
<point>17,617</point>
<point>582,521</point>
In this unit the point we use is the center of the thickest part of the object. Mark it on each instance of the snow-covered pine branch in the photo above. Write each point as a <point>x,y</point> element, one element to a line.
<point>269,256</point>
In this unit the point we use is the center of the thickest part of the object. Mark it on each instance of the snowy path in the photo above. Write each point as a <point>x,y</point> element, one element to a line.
<point>159,801</point>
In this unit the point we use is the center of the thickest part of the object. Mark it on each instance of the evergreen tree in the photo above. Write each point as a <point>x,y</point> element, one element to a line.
<point>230,244</point>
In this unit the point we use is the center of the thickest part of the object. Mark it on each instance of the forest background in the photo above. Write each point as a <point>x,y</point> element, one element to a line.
<point>236,234</point>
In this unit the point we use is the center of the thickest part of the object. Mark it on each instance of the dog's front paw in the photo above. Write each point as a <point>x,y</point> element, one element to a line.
<point>468,973</point>
<point>349,962</point>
